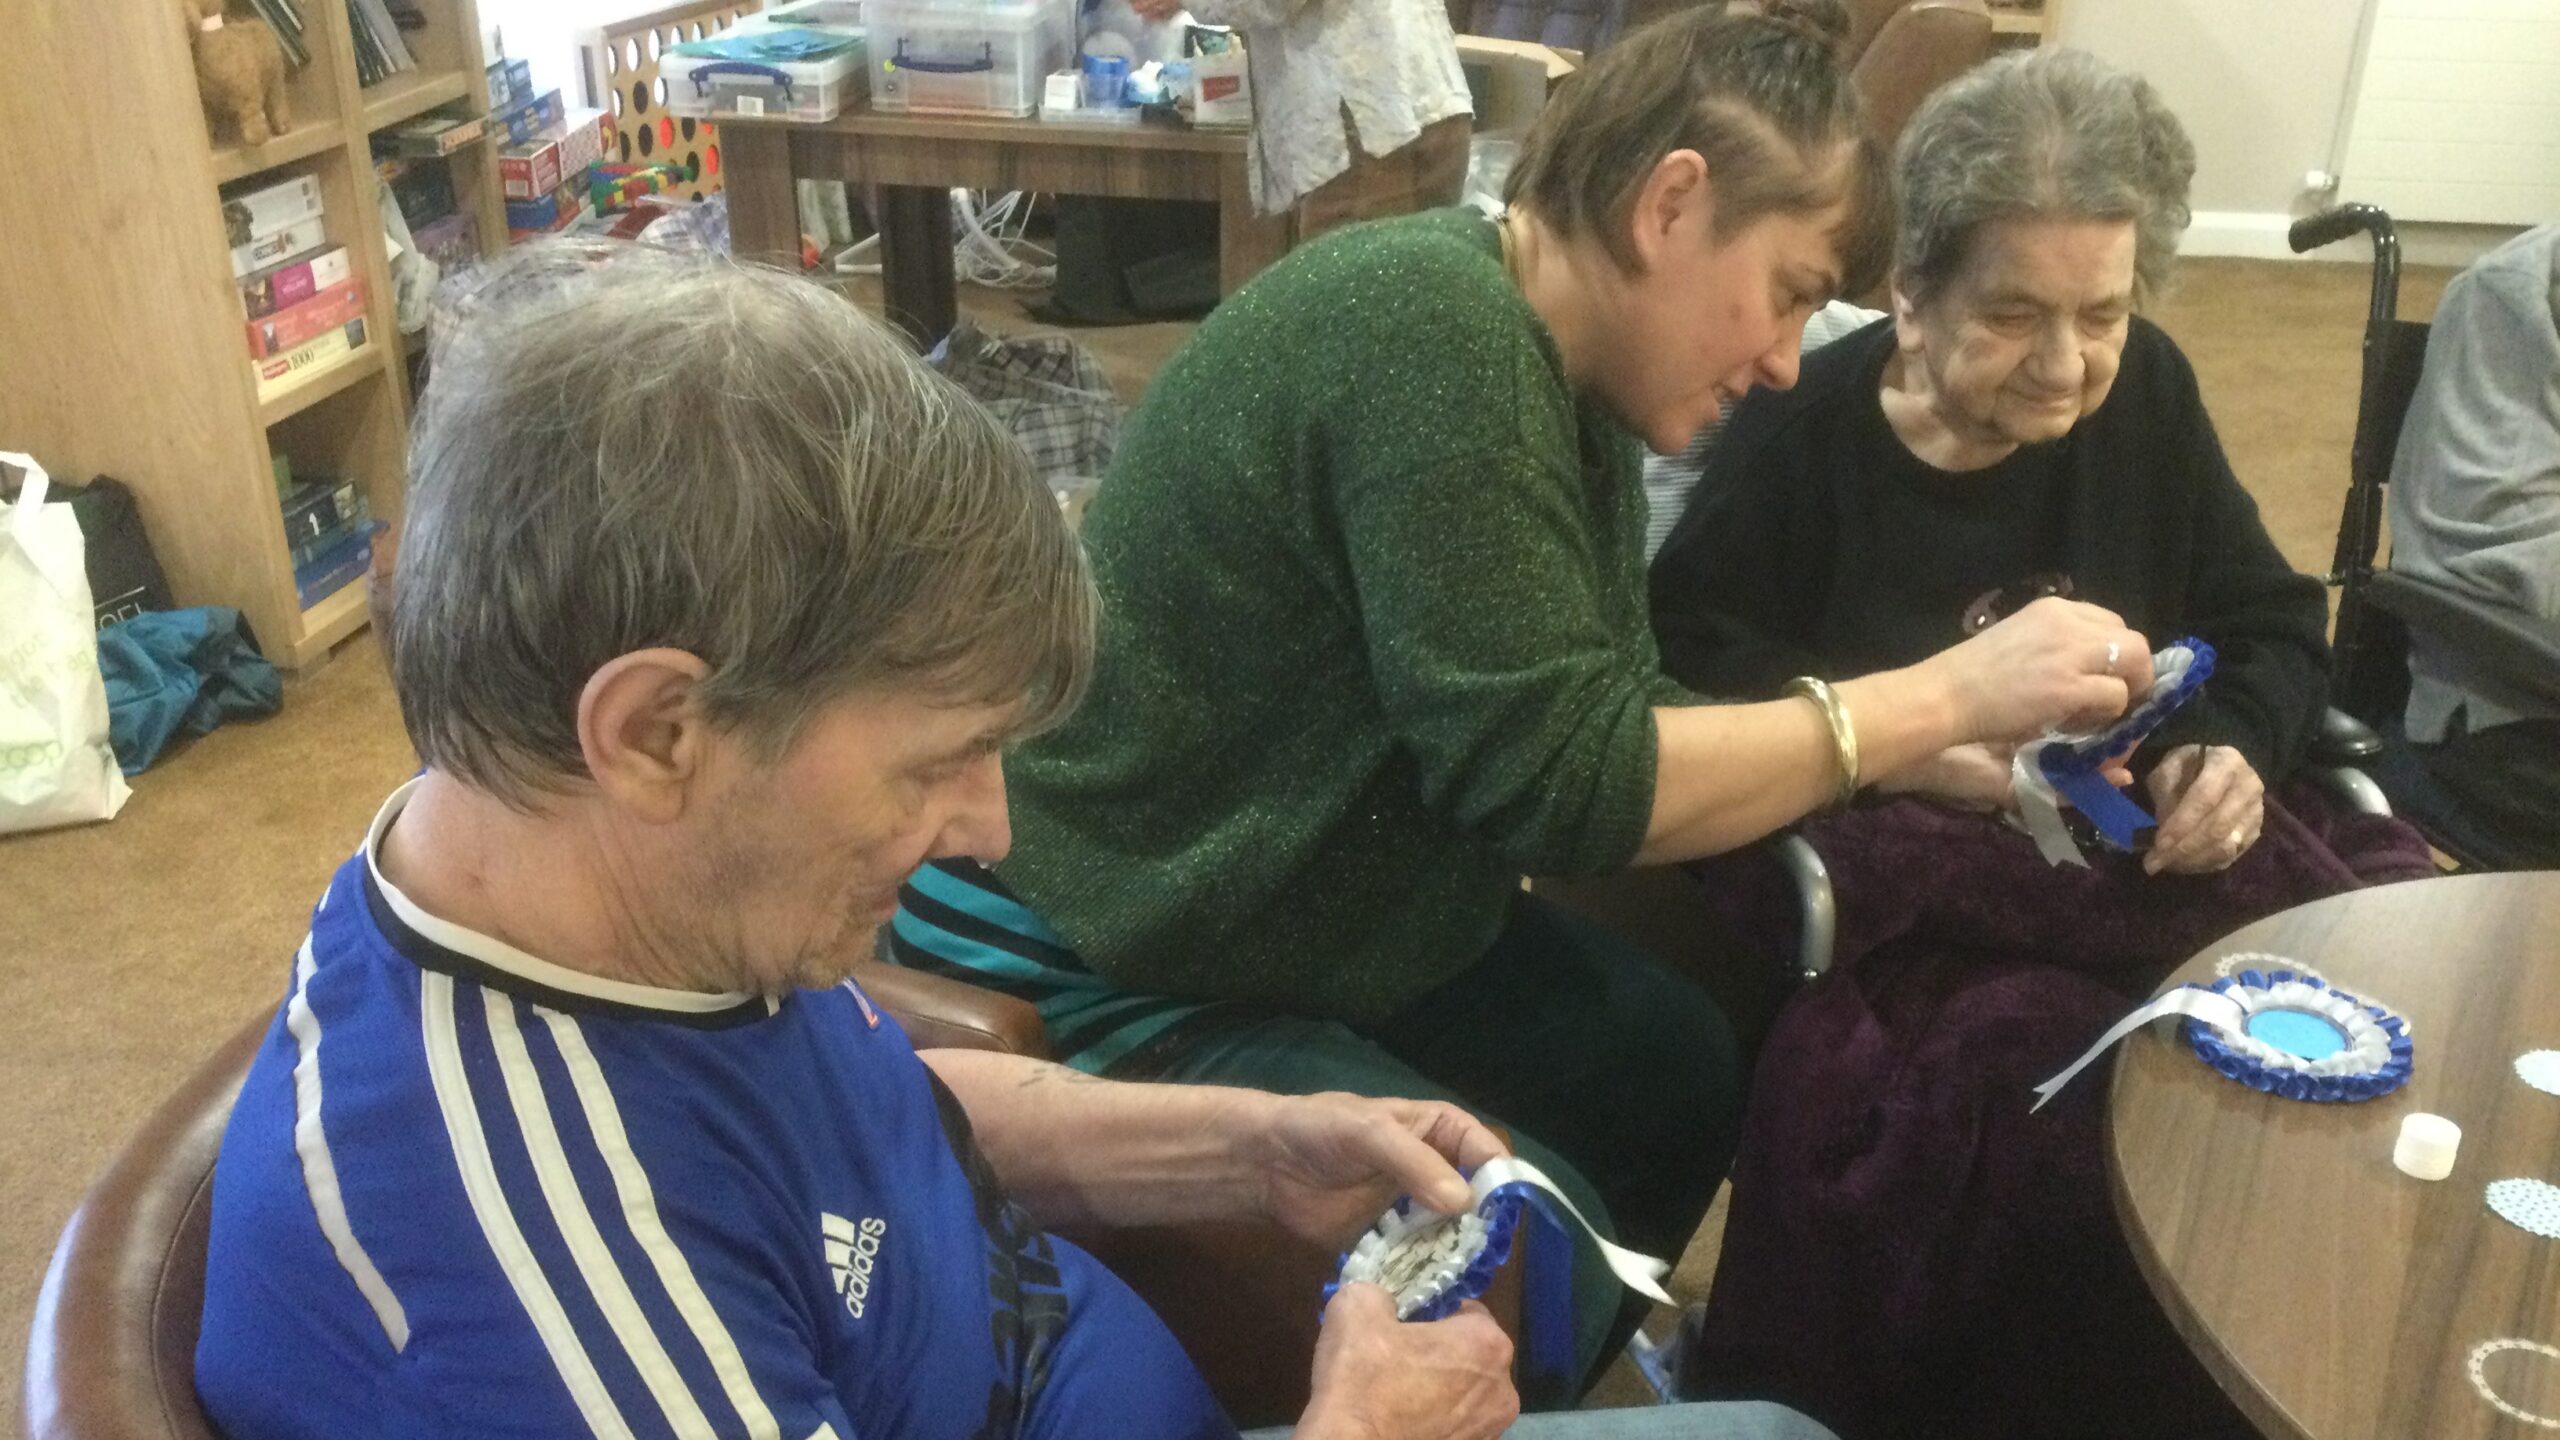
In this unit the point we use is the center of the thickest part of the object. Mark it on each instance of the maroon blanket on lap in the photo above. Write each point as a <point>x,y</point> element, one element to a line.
<point>1909,1252</point>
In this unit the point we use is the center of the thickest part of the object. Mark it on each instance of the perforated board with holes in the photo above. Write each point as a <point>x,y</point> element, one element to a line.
<point>620,63</point>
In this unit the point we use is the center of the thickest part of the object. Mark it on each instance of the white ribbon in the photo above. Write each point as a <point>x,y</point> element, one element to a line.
<point>2210,1006</point>
<point>2041,809</point>
<point>1641,1273</point>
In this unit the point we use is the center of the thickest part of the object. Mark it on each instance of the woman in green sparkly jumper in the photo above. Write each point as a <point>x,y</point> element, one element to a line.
<point>1374,646</point>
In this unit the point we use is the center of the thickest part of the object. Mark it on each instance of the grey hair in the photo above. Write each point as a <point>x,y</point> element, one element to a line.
<point>2040,134</point>
<point>624,448</point>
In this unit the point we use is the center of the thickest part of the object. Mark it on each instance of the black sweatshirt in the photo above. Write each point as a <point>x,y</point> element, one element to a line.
<point>1818,544</point>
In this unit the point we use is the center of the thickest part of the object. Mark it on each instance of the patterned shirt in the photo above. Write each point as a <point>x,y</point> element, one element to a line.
<point>1384,68</point>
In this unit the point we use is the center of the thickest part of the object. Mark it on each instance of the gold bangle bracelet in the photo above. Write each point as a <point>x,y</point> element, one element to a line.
<point>1844,736</point>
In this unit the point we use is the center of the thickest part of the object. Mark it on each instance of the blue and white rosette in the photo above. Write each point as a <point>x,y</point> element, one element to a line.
<point>2372,1055</point>
<point>1432,1264</point>
<point>2279,1031</point>
<point>2067,767</point>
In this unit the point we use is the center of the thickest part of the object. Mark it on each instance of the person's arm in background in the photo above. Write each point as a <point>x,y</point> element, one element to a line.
<point>1241,14</point>
<point>1072,1148</point>
<point>2268,625</point>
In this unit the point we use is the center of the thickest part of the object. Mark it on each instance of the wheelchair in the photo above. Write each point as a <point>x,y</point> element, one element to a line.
<point>2369,682</point>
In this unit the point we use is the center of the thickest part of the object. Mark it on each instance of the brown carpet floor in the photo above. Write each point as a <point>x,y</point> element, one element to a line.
<point>131,948</point>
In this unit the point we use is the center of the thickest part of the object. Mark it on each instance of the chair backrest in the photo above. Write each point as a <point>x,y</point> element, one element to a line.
<point>2370,648</point>
<point>1917,49</point>
<point>1866,21</point>
<point>111,1355</point>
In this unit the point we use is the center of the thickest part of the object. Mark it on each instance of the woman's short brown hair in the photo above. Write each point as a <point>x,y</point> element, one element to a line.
<point>1761,97</point>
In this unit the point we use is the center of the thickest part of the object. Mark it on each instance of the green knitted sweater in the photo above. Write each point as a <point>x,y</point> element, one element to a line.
<point>1374,642</point>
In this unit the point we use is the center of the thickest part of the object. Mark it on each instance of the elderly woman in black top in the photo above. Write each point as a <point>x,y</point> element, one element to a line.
<point>1909,1252</point>
<point>2014,426</point>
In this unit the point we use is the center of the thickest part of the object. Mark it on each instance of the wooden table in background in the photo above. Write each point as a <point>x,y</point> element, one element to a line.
<point>2334,1297</point>
<point>916,160</point>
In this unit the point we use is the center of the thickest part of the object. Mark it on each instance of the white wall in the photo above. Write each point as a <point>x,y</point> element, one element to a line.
<point>2260,85</point>
<point>2458,118</point>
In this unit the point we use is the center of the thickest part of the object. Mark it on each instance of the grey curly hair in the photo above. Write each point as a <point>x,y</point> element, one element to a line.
<point>2040,134</point>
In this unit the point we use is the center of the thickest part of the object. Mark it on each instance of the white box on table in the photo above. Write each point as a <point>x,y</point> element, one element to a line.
<point>723,75</point>
<point>969,57</point>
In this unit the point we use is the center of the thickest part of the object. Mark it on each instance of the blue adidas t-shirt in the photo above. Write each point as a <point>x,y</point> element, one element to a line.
<point>466,1192</point>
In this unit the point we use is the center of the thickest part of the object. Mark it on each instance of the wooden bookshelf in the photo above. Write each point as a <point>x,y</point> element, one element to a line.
<point>404,96</point>
<point>122,343</point>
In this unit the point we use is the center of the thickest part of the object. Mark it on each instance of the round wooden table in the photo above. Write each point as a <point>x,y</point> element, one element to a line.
<point>2332,1296</point>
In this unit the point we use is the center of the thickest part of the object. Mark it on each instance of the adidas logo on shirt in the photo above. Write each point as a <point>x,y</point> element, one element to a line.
<point>851,1251</point>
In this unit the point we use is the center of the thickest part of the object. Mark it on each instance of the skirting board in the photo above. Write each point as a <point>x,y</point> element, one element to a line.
<point>2252,235</point>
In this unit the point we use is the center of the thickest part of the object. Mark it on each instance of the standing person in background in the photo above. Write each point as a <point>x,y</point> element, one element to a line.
<point>1359,108</point>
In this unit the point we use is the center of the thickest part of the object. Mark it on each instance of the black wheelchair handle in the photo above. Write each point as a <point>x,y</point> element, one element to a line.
<point>2333,225</point>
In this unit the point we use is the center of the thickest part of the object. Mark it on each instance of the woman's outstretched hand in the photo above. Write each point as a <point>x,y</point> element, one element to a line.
<point>2055,665</point>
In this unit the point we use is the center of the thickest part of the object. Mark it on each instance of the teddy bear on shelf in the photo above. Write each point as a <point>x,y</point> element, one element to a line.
<point>239,70</point>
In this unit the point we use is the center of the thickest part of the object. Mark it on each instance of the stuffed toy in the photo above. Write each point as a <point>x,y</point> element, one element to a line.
<point>239,70</point>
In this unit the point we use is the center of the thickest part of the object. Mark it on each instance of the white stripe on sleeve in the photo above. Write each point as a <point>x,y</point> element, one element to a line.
<point>640,1212</point>
<point>498,1222</point>
<point>320,1168</point>
<point>578,1227</point>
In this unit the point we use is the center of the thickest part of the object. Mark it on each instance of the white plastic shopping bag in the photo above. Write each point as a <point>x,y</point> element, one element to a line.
<point>56,767</point>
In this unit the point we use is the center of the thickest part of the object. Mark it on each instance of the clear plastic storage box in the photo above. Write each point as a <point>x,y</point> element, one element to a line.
<point>971,57</point>
<point>773,74</point>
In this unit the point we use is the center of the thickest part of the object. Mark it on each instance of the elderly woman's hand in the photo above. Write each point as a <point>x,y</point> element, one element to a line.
<point>2212,806</point>
<point>2055,665</point>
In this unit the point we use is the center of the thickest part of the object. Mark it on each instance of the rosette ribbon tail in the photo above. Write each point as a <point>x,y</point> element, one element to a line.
<point>2192,1002</point>
<point>1640,1273</point>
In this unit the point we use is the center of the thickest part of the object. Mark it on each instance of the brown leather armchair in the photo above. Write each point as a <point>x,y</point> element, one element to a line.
<point>112,1352</point>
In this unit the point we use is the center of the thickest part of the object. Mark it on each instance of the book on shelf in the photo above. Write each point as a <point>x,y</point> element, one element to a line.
<point>380,52</point>
<point>284,18</point>
<point>338,567</point>
<point>290,283</point>
<point>429,137</point>
<point>277,373</point>
<point>301,323</point>
<point>252,213</point>
<point>282,245</point>
<point>355,515</point>
<point>318,506</point>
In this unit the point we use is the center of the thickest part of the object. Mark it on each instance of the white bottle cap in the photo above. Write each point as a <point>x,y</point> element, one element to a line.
<point>2426,1147</point>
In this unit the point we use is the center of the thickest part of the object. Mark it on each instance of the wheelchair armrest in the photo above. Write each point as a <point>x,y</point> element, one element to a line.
<point>2349,785</point>
<point>2343,740</point>
<point>2505,657</point>
<point>1816,906</point>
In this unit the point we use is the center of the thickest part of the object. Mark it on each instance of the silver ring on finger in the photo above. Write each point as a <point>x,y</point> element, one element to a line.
<point>2115,652</point>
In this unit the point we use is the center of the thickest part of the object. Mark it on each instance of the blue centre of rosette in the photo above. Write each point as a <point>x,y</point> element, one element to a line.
<point>2297,1032</point>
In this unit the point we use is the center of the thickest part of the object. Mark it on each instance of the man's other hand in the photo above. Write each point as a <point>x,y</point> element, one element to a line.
<point>1378,1378</point>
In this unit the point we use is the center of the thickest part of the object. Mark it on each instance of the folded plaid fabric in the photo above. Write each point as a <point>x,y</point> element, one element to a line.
<point>1047,389</point>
